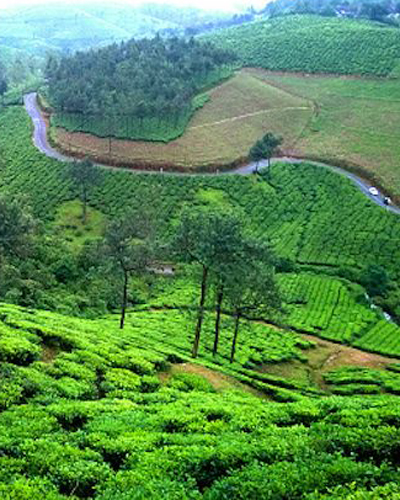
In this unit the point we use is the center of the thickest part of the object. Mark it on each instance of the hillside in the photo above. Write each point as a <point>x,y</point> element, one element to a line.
<point>314,44</point>
<point>39,29</point>
<point>356,233</point>
<point>350,122</point>
<point>141,89</point>
<point>214,336</point>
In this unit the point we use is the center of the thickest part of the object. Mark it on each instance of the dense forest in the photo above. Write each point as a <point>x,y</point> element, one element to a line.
<point>137,81</point>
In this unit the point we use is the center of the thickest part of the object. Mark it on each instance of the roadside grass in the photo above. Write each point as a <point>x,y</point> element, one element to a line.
<point>68,222</point>
<point>238,113</point>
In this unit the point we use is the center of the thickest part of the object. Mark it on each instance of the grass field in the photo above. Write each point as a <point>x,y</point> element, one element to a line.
<point>357,123</point>
<point>221,133</point>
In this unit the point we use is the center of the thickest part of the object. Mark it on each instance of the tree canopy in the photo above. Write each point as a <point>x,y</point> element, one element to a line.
<point>139,78</point>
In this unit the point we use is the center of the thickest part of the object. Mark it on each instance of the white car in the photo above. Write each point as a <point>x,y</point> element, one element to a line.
<point>373,191</point>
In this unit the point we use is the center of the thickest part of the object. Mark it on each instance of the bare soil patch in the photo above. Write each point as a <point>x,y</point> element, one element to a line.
<point>218,380</point>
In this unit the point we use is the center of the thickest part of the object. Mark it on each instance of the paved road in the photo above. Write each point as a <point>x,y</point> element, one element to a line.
<point>40,132</point>
<point>41,142</point>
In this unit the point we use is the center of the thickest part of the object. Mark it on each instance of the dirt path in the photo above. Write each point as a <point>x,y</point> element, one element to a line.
<point>325,357</point>
<point>218,380</point>
<point>342,355</point>
<point>248,115</point>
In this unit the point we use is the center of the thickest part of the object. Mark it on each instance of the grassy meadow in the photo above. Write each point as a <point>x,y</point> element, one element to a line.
<point>356,123</point>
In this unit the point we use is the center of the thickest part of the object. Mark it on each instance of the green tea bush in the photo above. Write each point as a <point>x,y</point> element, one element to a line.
<point>120,379</point>
<point>190,382</point>
<point>22,488</point>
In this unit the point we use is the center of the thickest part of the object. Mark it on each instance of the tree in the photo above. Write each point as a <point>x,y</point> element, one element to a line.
<point>209,238</point>
<point>265,148</point>
<point>16,227</point>
<point>376,280</point>
<point>85,176</point>
<point>3,80</point>
<point>252,288</point>
<point>128,243</point>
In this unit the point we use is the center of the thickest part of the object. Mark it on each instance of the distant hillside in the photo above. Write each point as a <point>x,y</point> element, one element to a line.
<point>377,10</point>
<point>42,28</point>
<point>315,44</point>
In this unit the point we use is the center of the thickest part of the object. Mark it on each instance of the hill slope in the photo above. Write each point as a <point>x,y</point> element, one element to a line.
<point>316,45</point>
<point>41,28</point>
<point>295,207</point>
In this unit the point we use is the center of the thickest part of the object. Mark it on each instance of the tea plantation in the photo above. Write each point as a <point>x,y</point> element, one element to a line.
<point>314,44</point>
<point>89,411</point>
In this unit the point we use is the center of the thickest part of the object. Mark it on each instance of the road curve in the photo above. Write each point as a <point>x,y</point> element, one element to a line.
<point>42,144</point>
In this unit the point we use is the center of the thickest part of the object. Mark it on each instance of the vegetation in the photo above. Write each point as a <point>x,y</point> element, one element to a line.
<point>353,123</point>
<point>105,402</point>
<point>84,413</point>
<point>376,10</point>
<point>265,148</point>
<point>140,89</point>
<point>128,243</point>
<point>314,44</point>
<point>354,380</point>
<point>230,122</point>
<point>85,176</point>
<point>43,29</point>
<point>294,207</point>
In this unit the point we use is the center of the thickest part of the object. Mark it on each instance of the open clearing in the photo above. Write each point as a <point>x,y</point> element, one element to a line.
<point>357,123</point>
<point>238,113</point>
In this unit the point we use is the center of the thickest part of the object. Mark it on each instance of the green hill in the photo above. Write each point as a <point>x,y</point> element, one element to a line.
<point>296,208</point>
<point>38,28</point>
<point>315,44</point>
<point>41,28</point>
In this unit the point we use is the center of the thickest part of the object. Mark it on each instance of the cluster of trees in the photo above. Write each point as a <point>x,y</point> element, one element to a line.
<point>139,78</point>
<point>265,148</point>
<point>376,10</point>
<point>239,270</point>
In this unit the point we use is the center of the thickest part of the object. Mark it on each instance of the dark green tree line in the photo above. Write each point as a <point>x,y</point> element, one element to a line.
<point>138,79</point>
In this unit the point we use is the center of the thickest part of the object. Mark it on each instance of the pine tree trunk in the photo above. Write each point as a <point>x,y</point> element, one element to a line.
<point>200,316</point>
<point>220,298</point>
<point>124,300</point>
<point>235,336</point>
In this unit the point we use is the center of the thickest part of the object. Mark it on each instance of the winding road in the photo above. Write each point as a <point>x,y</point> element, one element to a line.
<point>41,142</point>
